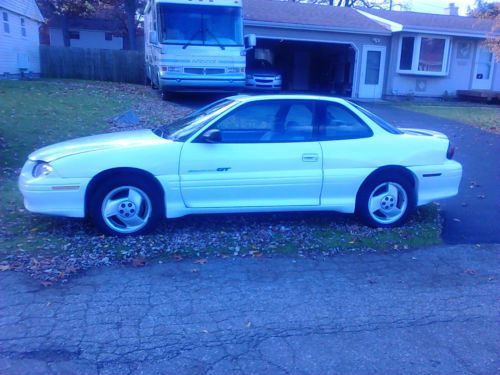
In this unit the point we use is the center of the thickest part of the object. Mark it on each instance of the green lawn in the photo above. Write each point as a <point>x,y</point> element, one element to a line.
<point>480,116</point>
<point>37,113</point>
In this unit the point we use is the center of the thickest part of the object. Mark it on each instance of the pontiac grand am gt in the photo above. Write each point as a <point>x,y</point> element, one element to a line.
<point>245,154</point>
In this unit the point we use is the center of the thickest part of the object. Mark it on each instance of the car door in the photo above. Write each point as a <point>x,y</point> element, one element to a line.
<point>267,157</point>
<point>349,154</point>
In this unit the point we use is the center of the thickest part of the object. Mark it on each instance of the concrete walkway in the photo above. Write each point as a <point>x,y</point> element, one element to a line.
<point>430,311</point>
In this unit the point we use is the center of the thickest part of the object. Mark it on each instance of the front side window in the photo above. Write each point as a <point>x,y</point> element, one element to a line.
<point>182,129</point>
<point>6,26</point>
<point>268,122</point>
<point>200,25</point>
<point>423,55</point>
<point>338,122</point>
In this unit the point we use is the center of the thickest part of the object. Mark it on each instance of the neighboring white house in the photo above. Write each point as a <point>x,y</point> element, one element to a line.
<point>101,30</point>
<point>19,37</point>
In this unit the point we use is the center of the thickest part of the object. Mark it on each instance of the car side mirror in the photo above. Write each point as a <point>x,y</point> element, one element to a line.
<point>250,41</point>
<point>153,37</point>
<point>212,136</point>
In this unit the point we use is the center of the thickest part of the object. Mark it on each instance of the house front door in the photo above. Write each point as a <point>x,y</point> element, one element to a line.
<point>483,70</point>
<point>372,72</point>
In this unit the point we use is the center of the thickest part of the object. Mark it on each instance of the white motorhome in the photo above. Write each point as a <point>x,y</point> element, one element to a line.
<point>194,46</point>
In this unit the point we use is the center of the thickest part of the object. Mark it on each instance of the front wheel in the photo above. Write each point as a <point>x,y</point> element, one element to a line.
<point>122,207</point>
<point>385,201</point>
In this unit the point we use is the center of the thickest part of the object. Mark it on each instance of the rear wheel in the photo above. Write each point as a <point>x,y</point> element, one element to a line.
<point>125,207</point>
<point>385,200</point>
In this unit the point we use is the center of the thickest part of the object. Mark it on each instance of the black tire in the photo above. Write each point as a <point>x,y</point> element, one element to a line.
<point>150,210</point>
<point>154,80</point>
<point>377,186</point>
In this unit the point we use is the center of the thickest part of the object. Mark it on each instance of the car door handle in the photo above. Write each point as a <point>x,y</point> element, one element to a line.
<point>309,157</point>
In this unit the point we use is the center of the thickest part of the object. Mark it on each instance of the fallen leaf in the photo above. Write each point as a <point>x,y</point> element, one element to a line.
<point>481,196</point>
<point>469,271</point>
<point>195,270</point>
<point>138,262</point>
<point>46,283</point>
<point>178,258</point>
<point>4,268</point>
<point>457,220</point>
<point>249,324</point>
<point>201,261</point>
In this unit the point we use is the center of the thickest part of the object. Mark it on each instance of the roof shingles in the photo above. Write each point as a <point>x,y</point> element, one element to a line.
<point>285,12</point>
<point>434,22</point>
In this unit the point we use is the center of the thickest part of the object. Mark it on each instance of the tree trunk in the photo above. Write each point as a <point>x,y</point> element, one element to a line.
<point>130,9</point>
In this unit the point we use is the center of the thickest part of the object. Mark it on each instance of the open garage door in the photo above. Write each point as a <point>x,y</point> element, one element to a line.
<point>316,67</point>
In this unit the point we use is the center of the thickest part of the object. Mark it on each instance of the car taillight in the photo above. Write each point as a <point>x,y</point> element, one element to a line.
<point>451,151</point>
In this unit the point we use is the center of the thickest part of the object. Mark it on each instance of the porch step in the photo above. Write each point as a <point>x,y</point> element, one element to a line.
<point>482,95</point>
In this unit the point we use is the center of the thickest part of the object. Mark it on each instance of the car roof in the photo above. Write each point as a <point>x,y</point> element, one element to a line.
<point>250,98</point>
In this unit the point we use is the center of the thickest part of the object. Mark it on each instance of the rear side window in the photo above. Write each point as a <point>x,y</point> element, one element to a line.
<point>337,122</point>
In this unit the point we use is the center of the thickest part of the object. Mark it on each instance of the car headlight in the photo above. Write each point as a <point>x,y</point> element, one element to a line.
<point>278,76</point>
<point>41,168</point>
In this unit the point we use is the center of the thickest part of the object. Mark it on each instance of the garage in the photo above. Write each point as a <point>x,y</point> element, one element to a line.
<point>305,66</point>
<point>319,49</point>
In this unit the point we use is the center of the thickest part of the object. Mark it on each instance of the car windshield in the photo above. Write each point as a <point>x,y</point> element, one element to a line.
<point>181,129</point>
<point>379,121</point>
<point>200,25</point>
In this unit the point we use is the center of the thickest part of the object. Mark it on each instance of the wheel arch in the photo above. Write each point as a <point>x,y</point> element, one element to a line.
<point>391,170</point>
<point>122,172</point>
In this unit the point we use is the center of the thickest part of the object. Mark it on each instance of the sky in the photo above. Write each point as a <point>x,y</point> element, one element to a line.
<point>438,6</point>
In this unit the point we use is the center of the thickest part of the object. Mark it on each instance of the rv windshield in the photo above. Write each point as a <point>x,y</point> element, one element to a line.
<point>194,24</point>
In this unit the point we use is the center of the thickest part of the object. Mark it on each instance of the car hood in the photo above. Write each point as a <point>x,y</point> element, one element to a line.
<point>121,140</point>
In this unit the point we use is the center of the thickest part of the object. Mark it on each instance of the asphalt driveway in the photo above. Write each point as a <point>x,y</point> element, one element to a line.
<point>429,311</point>
<point>473,216</point>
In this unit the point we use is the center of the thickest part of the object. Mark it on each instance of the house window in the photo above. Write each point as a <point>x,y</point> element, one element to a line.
<point>423,55</point>
<point>23,27</point>
<point>108,36</point>
<point>6,26</point>
<point>74,34</point>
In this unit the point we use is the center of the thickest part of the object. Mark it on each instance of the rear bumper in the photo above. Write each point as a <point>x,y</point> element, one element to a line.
<point>437,181</point>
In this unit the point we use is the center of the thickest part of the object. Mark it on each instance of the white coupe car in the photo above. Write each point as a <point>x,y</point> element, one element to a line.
<point>245,154</point>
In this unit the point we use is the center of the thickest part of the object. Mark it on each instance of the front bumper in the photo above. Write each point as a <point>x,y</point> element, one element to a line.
<point>437,181</point>
<point>52,195</point>
<point>263,83</point>
<point>201,84</point>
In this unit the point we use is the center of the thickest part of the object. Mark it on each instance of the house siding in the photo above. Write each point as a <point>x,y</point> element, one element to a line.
<point>88,39</point>
<point>496,77</point>
<point>459,77</point>
<point>18,51</point>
